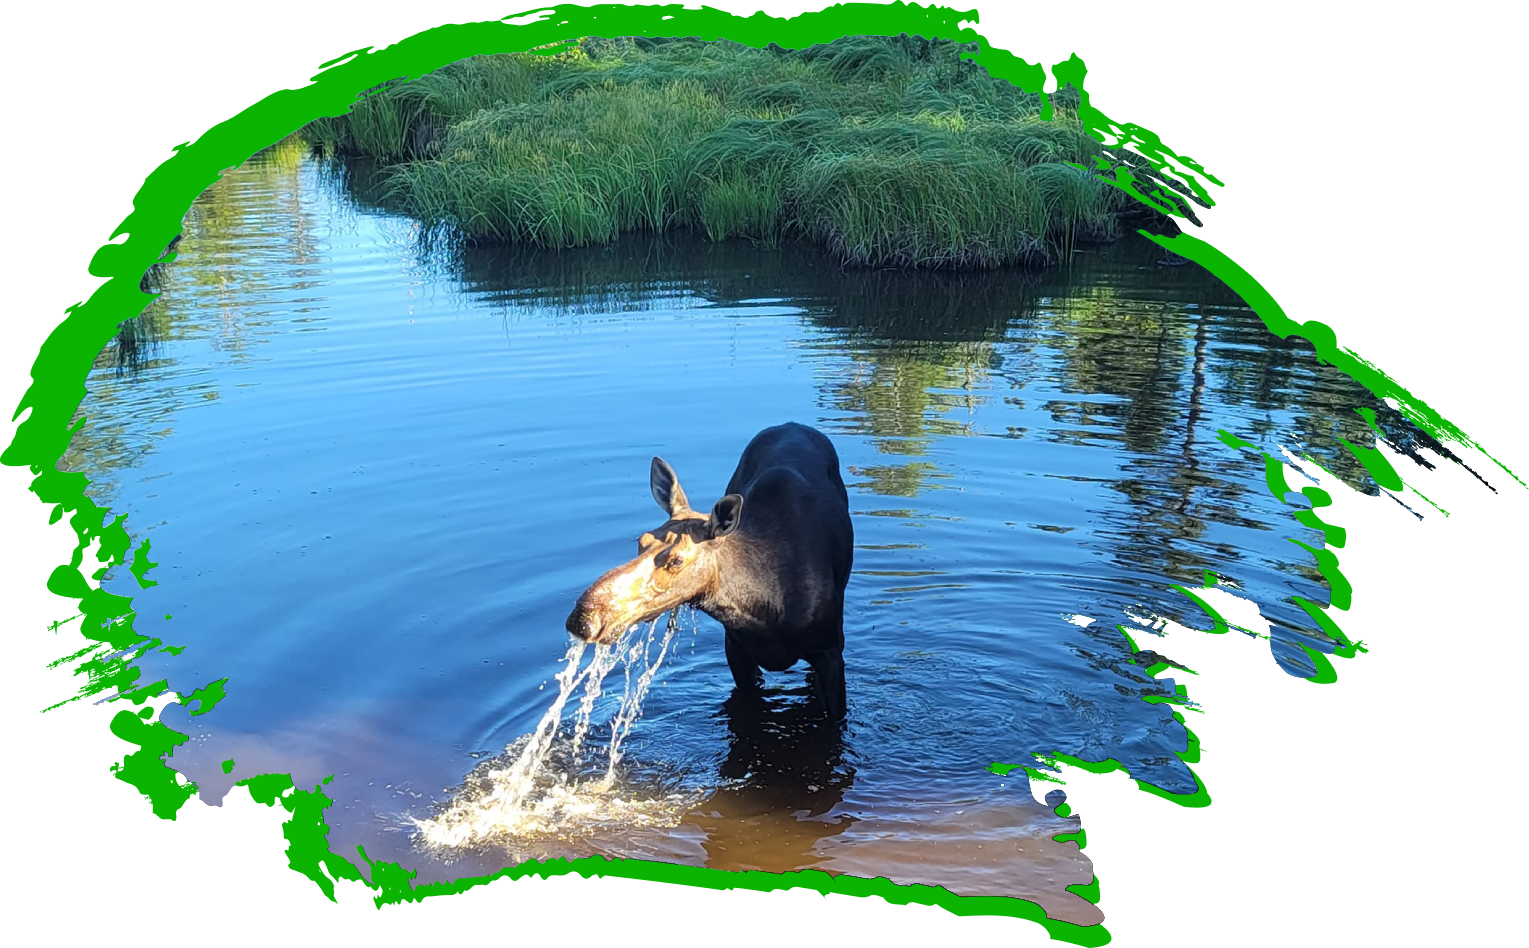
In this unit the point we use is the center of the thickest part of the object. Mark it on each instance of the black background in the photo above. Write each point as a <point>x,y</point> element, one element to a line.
<point>1330,814</point>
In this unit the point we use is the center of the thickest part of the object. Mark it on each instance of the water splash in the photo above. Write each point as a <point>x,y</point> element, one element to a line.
<point>631,700</point>
<point>540,794</point>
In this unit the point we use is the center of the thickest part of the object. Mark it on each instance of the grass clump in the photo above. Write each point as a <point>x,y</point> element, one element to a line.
<point>888,151</point>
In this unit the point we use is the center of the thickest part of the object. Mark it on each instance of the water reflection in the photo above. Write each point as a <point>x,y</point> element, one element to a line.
<point>335,426</point>
<point>925,353</point>
<point>922,342</point>
<point>784,775</point>
<point>1114,352</point>
<point>242,254</point>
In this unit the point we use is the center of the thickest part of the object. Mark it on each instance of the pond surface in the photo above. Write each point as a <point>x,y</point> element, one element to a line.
<point>377,476</point>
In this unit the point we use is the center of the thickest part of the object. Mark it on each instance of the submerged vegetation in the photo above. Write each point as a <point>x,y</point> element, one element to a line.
<point>888,151</point>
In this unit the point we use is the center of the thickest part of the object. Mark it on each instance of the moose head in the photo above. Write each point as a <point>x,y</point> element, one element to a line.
<point>678,562</point>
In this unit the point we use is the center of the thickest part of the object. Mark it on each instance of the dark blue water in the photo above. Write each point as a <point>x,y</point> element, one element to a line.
<point>376,475</point>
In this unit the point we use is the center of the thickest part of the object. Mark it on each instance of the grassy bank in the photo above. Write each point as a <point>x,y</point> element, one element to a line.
<point>889,151</point>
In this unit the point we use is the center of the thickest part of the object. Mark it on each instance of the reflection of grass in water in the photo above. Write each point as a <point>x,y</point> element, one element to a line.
<point>903,397</point>
<point>898,480</point>
<point>886,150</point>
<point>286,154</point>
<point>137,342</point>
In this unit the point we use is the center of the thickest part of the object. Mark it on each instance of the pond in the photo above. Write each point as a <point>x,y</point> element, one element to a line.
<point>377,471</point>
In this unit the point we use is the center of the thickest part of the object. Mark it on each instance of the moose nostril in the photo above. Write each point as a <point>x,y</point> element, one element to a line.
<point>581,624</point>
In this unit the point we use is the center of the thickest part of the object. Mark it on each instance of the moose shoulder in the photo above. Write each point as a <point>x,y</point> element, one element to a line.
<point>769,562</point>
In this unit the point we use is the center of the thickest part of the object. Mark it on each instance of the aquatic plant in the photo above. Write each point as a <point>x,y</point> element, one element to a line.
<point>887,151</point>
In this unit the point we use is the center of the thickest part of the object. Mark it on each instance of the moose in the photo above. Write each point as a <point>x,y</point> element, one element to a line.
<point>769,562</point>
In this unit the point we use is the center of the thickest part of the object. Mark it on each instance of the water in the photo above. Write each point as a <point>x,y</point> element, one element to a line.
<point>539,796</point>
<point>376,475</point>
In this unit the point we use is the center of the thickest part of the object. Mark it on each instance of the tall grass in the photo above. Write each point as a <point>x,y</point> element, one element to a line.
<point>889,151</point>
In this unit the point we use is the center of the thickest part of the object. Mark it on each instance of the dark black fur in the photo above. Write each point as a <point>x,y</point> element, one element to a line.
<point>780,596</point>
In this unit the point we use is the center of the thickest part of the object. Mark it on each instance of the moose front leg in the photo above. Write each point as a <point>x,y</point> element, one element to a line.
<point>828,669</point>
<point>746,673</point>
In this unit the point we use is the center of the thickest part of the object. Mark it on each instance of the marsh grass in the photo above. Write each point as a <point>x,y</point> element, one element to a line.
<point>889,151</point>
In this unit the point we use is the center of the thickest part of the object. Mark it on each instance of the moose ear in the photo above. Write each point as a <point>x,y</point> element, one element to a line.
<point>666,488</point>
<point>725,515</point>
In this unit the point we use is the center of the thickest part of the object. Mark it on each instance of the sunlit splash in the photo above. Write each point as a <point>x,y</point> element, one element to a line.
<point>541,793</point>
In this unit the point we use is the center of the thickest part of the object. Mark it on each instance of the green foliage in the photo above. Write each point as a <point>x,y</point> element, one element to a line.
<point>889,151</point>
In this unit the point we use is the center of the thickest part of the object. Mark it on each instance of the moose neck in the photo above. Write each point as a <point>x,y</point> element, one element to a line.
<point>744,591</point>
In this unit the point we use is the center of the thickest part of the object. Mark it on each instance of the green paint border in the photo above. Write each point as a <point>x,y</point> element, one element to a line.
<point>1148,170</point>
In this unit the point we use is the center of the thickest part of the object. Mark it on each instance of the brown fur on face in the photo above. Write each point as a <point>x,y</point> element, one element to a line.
<point>674,565</point>
<point>677,563</point>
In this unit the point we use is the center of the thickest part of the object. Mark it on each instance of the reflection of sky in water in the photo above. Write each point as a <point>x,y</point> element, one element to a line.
<point>376,482</point>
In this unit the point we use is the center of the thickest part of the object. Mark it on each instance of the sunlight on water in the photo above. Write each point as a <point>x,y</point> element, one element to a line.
<point>1032,459</point>
<point>542,793</point>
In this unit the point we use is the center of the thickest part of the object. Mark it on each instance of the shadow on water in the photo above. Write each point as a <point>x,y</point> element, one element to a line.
<point>784,774</point>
